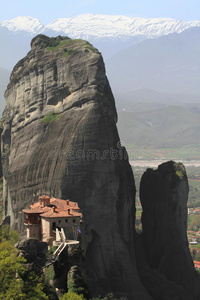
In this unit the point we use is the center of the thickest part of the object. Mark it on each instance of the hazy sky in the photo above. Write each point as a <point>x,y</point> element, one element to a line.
<point>47,10</point>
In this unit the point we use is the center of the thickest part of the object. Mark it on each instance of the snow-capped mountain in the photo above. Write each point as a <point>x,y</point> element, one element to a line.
<point>100,26</point>
<point>28,24</point>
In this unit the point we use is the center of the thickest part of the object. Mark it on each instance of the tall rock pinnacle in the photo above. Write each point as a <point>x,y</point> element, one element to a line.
<point>164,195</point>
<point>60,139</point>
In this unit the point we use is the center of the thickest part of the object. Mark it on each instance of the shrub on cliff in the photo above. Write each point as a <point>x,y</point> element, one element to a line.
<point>49,118</point>
<point>72,296</point>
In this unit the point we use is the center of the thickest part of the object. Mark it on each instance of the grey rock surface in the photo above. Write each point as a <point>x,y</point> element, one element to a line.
<point>164,194</point>
<point>34,252</point>
<point>76,156</point>
<point>76,282</point>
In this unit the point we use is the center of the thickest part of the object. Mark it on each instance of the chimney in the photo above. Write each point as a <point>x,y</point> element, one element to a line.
<point>68,211</point>
<point>44,200</point>
<point>67,202</point>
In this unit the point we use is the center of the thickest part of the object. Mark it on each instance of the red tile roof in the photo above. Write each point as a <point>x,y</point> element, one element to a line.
<point>58,208</point>
<point>36,210</point>
<point>196,264</point>
<point>59,214</point>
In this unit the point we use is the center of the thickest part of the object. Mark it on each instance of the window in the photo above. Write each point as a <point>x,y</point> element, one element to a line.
<point>59,221</point>
<point>54,226</point>
<point>74,221</point>
<point>66,220</point>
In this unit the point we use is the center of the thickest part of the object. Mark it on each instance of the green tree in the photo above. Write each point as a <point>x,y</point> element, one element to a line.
<point>33,287</point>
<point>10,265</point>
<point>72,296</point>
<point>16,282</point>
<point>8,235</point>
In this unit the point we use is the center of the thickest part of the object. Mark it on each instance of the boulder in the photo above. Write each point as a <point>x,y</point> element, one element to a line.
<point>34,252</point>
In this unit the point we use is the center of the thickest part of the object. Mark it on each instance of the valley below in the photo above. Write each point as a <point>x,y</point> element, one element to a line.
<point>152,157</point>
<point>155,163</point>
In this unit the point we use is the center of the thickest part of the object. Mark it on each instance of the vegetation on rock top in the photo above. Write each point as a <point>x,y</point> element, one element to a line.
<point>179,170</point>
<point>46,41</point>
<point>56,44</point>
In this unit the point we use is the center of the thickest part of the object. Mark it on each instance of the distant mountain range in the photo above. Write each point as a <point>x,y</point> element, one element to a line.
<point>108,33</point>
<point>168,64</point>
<point>4,78</point>
<point>100,26</point>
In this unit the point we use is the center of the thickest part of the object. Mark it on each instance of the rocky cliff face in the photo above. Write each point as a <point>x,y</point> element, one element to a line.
<point>164,195</point>
<point>60,139</point>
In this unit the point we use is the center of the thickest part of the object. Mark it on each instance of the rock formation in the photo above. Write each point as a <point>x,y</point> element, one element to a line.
<point>61,269</point>
<point>164,194</point>
<point>60,139</point>
<point>76,282</point>
<point>34,252</point>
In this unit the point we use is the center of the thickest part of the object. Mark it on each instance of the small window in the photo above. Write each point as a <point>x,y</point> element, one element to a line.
<point>54,226</point>
<point>74,221</point>
<point>59,221</point>
<point>66,220</point>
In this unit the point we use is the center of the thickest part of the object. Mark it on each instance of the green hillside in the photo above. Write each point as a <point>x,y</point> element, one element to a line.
<point>167,127</point>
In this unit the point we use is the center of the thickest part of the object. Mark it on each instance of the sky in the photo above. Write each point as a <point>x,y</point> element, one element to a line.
<point>47,10</point>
